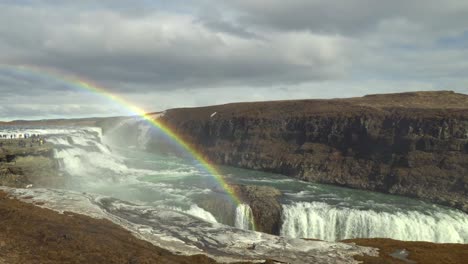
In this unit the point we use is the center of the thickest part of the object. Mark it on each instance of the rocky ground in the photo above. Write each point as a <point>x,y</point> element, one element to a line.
<point>26,162</point>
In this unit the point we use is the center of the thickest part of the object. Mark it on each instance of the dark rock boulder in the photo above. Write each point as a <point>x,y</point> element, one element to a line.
<point>266,208</point>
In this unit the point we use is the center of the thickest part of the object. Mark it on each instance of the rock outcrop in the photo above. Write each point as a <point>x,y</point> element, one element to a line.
<point>266,208</point>
<point>411,144</point>
<point>30,164</point>
<point>262,200</point>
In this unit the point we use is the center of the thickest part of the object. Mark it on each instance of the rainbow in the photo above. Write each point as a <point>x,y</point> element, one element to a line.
<point>81,83</point>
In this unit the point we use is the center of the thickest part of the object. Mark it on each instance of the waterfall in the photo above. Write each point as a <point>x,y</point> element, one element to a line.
<point>201,213</point>
<point>244,217</point>
<point>322,221</point>
<point>86,160</point>
<point>143,135</point>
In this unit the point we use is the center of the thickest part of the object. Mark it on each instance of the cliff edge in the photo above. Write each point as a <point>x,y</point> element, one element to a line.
<point>411,144</point>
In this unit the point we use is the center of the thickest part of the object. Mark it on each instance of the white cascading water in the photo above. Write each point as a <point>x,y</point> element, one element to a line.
<point>244,217</point>
<point>322,221</point>
<point>81,153</point>
<point>201,213</point>
<point>143,135</point>
<point>90,163</point>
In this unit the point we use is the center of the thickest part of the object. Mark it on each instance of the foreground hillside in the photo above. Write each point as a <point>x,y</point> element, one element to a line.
<point>29,234</point>
<point>411,144</point>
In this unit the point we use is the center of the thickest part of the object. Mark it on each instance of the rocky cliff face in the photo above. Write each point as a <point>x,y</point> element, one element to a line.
<point>411,144</point>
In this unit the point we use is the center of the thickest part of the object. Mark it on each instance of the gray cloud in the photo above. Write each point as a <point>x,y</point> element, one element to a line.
<point>165,49</point>
<point>155,53</point>
<point>353,16</point>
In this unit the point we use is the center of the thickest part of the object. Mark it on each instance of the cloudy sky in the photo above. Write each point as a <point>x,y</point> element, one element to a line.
<point>165,54</point>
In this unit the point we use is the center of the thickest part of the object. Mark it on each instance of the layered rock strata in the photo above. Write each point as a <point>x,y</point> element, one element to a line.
<point>410,144</point>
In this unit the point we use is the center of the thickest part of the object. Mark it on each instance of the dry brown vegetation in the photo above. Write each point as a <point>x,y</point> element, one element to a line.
<point>419,252</point>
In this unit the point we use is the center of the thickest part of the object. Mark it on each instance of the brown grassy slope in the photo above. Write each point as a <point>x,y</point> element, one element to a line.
<point>419,252</point>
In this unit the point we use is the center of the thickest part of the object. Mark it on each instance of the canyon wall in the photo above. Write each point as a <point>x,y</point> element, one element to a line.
<point>410,144</point>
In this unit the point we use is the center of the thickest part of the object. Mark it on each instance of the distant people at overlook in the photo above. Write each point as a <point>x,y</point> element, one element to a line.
<point>31,138</point>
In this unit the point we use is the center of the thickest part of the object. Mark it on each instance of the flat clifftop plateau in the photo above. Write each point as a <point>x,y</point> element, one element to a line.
<point>77,122</point>
<point>410,144</point>
<point>428,100</point>
<point>414,103</point>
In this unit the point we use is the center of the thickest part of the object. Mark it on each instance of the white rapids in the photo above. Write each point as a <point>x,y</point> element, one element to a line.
<point>244,217</point>
<point>322,221</point>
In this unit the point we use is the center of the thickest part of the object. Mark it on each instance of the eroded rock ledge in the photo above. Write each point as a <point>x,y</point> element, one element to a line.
<point>30,164</point>
<point>266,208</point>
